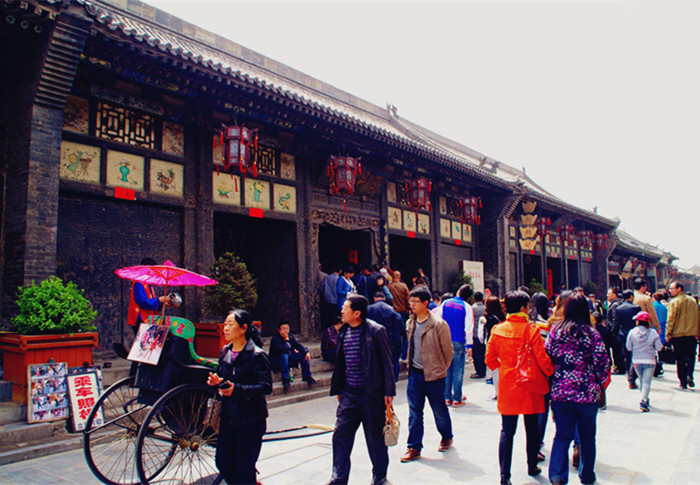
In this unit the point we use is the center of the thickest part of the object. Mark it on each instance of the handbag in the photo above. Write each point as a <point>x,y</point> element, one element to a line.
<point>391,427</point>
<point>528,374</point>
<point>212,414</point>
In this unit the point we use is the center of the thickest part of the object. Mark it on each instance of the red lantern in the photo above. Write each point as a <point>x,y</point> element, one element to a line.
<point>601,241</point>
<point>419,194</point>
<point>237,141</point>
<point>470,210</point>
<point>342,172</point>
<point>587,239</point>
<point>568,234</point>
<point>542,224</point>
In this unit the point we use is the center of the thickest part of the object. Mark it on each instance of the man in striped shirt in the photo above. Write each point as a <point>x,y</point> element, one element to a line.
<point>363,380</point>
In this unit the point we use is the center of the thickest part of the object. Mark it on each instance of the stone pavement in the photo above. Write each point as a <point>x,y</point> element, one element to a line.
<point>661,447</point>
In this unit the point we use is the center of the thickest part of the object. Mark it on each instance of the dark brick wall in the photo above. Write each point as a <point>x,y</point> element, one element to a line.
<point>97,236</point>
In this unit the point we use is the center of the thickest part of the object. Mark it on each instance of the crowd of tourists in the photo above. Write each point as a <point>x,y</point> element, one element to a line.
<point>539,355</point>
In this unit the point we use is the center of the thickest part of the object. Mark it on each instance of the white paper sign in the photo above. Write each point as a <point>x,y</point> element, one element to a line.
<point>83,392</point>
<point>475,269</point>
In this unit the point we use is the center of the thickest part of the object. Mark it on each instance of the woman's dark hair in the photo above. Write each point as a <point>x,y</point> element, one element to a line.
<point>516,300</point>
<point>379,285</point>
<point>539,305</point>
<point>243,318</point>
<point>493,307</point>
<point>576,314</point>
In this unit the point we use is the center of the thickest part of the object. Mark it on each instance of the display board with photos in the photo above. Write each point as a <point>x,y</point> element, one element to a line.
<point>47,392</point>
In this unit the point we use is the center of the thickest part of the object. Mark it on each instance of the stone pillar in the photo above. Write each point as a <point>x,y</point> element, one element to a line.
<point>39,95</point>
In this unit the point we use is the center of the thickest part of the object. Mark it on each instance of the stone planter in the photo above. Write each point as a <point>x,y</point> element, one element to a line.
<point>22,350</point>
<point>209,338</point>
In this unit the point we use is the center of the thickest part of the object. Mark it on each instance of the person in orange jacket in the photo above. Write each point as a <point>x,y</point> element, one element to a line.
<point>513,400</point>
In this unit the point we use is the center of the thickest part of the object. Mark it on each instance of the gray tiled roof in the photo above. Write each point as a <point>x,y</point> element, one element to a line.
<point>132,19</point>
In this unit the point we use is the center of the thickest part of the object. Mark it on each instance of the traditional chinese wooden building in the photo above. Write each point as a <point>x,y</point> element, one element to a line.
<point>126,132</point>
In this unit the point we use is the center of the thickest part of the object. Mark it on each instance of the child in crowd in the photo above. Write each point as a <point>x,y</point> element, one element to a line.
<point>644,342</point>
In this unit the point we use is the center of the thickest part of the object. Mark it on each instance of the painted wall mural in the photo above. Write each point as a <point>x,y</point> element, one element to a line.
<point>257,193</point>
<point>285,198</point>
<point>445,228</point>
<point>76,115</point>
<point>395,218</point>
<point>125,170</point>
<point>409,221</point>
<point>167,178</point>
<point>391,192</point>
<point>466,232</point>
<point>287,166</point>
<point>80,162</point>
<point>423,224</point>
<point>226,189</point>
<point>456,230</point>
<point>173,139</point>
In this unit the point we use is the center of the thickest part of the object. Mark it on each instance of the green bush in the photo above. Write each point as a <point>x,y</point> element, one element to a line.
<point>461,279</point>
<point>52,308</point>
<point>236,288</point>
<point>536,287</point>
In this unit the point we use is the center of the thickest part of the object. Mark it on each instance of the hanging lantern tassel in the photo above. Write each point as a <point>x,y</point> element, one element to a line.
<point>345,205</point>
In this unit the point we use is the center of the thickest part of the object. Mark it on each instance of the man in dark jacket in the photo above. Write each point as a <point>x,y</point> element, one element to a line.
<point>363,380</point>
<point>286,352</point>
<point>623,322</point>
<point>385,315</point>
<point>613,301</point>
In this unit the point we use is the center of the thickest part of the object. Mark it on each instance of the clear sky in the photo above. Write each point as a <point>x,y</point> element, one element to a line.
<point>599,100</point>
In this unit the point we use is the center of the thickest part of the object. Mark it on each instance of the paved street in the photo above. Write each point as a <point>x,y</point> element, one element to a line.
<point>661,447</point>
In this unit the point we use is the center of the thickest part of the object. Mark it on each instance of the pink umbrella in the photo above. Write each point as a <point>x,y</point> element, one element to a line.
<point>166,274</point>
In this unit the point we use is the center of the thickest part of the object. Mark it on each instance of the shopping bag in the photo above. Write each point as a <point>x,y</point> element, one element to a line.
<point>391,427</point>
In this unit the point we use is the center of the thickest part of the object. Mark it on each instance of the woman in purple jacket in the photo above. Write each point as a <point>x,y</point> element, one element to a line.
<point>581,367</point>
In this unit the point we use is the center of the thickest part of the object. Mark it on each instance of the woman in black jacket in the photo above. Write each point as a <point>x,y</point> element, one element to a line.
<point>243,378</point>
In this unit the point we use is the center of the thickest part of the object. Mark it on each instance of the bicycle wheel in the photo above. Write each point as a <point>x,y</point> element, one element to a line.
<point>173,445</point>
<point>109,439</point>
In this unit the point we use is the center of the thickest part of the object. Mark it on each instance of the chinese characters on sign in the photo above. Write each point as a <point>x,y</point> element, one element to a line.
<point>84,392</point>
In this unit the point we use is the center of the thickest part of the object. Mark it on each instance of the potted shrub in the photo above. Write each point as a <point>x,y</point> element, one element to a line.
<point>54,322</point>
<point>236,289</point>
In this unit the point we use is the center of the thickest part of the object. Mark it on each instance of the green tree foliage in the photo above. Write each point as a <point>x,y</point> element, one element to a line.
<point>236,288</point>
<point>51,308</point>
<point>462,279</point>
<point>536,287</point>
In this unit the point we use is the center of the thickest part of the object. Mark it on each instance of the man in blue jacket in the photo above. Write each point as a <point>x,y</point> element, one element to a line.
<point>363,380</point>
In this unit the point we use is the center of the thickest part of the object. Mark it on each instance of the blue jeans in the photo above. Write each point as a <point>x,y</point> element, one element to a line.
<point>353,410</point>
<point>646,374</point>
<point>295,358</point>
<point>455,374</point>
<point>569,416</point>
<point>417,391</point>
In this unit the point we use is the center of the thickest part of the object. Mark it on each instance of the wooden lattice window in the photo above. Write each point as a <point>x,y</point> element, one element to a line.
<point>125,126</point>
<point>453,208</point>
<point>266,159</point>
<point>401,194</point>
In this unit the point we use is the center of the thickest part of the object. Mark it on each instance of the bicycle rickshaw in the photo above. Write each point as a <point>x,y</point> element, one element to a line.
<point>149,427</point>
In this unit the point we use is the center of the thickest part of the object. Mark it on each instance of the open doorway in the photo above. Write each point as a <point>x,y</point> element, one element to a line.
<point>572,273</point>
<point>532,269</point>
<point>407,255</point>
<point>338,246</point>
<point>269,250</point>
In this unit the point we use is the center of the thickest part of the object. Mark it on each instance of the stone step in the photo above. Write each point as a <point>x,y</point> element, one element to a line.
<point>5,391</point>
<point>12,412</point>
